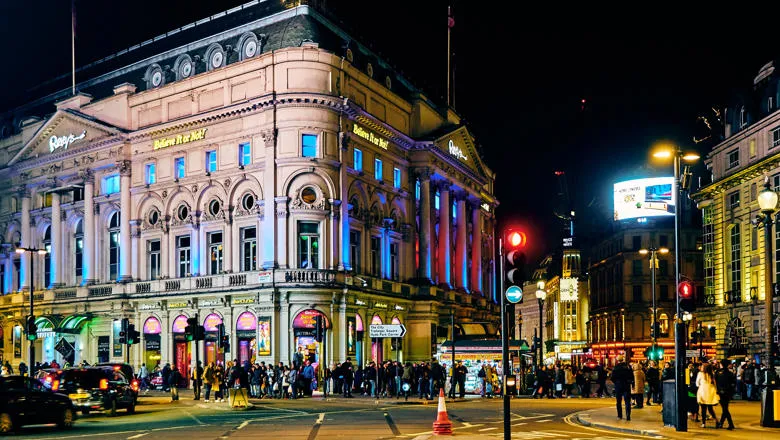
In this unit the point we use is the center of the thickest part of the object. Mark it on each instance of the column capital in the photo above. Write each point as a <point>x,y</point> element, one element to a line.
<point>23,191</point>
<point>423,173</point>
<point>460,195</point>
<point>269,137</point>
<point>281,206</point>
<point>443,185</point>
<point>124,167</point>
<point>87,175</point>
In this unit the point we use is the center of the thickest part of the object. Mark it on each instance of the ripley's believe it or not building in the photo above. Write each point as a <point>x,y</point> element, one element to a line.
<point>257,168</point>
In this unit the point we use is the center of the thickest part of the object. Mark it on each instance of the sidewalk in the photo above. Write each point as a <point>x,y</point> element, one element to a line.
<point>648,421</point>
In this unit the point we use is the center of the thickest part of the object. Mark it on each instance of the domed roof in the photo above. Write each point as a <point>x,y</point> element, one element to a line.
<point>764,72</point>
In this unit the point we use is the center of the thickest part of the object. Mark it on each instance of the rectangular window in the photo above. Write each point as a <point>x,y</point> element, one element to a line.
<point>754,239</point>
<point>436,200</point>
<point>663,241</point>
<point>153,259</point>
<point>664,292</point>
<point>47,264</point>
<point>309,145</point>
<point>736,261</point>
<point>244,154</point>
<point>308,245</point>
<point>636,241</point>
<point>732,159</point>
<point>708,251</point>
<point>663,267</point>
<point>113,255</point>
<point>378,169</point>
<point>637,293</point>
<point>183,255</point>
<point>111,184</point>
<point>211,161</point>
<point>733,200</point>
<point>417,189</point>
<point>357,160</point>
<point>216,252</point>
<point>354,250</point>
<point>79,256</point>
<point>396,178</point>
<point>18,273</point>
<point>248,249</point>
<point>77,194</point>
<point>752,148</point>
<point>636,267</point>
<point>178,168</point>
<point>150,173</point>
<point>376,256</point>
<point>775,138</point>
<point>394,261</point>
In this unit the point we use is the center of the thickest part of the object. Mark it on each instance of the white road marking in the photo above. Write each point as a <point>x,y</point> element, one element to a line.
<point>320,419</point>
<point>193,418</point>
<point>520,424</point>
<point>137,436</point>
<point>487,429</point>
<point>243,425</point>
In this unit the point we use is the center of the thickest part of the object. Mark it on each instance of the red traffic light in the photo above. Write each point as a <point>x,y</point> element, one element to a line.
<point>516,239</point>
<point>685,290</point>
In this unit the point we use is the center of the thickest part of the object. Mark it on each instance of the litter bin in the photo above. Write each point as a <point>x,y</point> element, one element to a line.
<point>670,406</point>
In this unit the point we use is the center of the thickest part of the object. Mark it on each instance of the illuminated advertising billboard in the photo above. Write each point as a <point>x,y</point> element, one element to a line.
<point>651,197</point>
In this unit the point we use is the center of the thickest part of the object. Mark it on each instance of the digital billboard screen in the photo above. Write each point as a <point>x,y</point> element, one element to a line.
<point>651,197</point>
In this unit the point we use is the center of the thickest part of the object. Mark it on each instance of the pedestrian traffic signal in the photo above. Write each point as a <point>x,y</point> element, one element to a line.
<point>220,332</point>
<point>123,330</point>
<point>319,328</point>
<point>515,267</point>
<point>132,336</point>
<point>32,329</point>
<point>654,353</point>
<point>191,329</point>
<point>686,296</point>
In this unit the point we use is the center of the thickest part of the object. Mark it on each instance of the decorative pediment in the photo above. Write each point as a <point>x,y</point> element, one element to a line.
<point>458,146</point>
<point>65,130</point>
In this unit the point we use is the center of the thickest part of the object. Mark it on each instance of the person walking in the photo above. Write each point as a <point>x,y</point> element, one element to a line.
<point>653,377</point>
<point>197,379</point>
<point>707,393</point>
<point>143,377</point>
<point>173,383</point>
<point>601,379</point>
<point>726,384</point>
<point>638,388</point>
<point>166,374</point>
<point>623,379</point>
<point>208,380</point>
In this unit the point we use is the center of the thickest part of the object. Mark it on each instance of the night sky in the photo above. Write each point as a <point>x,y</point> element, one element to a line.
<point>521,74</point>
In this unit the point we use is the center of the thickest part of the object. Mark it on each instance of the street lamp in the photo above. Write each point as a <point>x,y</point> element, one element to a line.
<point>653,267</point>
<point>678,156</point>
<point>541,294</point>
<point>32,251</point>
<point>767,201</point>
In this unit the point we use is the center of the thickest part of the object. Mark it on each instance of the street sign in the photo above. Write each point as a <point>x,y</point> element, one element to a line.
<point>514,294</point>
<point>386,331</point>
<point>692,353</point>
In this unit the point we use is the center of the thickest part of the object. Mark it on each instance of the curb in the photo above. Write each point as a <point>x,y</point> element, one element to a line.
<point>586,422</point>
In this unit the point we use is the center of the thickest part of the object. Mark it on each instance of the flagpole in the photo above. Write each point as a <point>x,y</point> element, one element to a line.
<point>449,51</point>
<point>73,45</point>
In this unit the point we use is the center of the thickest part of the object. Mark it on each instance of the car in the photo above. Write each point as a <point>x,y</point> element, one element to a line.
<point>47,376</point>
<point>156,381</point>
<point>25,401</point>
<point>96,388</point>
<point>127,369</point>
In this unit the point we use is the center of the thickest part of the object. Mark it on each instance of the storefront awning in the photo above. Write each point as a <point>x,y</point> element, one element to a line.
<point>483,345</point>
<point>73,324</point>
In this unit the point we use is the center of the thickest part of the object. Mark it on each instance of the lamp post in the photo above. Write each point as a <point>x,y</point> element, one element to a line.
<point>653,267</point>
<point>767,201</point>
<point>679,351</point>
<point>22,251</point>
<point>541,294</point>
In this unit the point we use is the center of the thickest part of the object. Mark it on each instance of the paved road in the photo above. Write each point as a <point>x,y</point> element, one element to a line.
<point>358,418</point>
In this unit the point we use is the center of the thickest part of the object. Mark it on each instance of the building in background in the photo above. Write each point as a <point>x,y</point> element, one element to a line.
<point>257,168</point>
<point>734,249</point>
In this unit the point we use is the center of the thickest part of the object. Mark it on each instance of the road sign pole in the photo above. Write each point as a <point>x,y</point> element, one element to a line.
<point>504,346</point>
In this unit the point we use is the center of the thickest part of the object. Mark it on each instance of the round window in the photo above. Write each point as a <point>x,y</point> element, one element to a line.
<point>214,207</point>
<point>250,48</point>
<point>186,69</point>
<point>156,78</point>
<point>248,202</point>
<point>183,212</point>
<point>154,217</point>
<point>308,195</point>
<point>216,59</point>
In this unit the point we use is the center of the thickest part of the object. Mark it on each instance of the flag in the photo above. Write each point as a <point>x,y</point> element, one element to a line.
<point>450,18</point>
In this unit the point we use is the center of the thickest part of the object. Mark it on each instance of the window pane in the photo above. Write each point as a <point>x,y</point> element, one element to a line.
<point>358,160</point>
<point>179,167</point>
<point>378,169</point>
<point>211,161</point>
<point>111,184</point>
<point>151,173</point>
<point>309,143</point>
<point>396,178</point>
<point>244,154</point>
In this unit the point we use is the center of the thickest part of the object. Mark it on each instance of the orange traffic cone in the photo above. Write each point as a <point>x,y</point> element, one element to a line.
<point>442,425</point>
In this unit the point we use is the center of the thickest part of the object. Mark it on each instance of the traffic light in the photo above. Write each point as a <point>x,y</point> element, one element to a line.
<point>654,353</point>
<point>123,331</point>
<point>32,329</point>
<point>686,296</point>
<point>515,269</point>
<point>319,328</point>
<point>132,336</point>
<point>220,333</point>
<point>190,331</point>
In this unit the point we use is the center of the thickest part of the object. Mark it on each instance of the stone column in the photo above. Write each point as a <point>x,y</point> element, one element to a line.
<point>125,255</point>
<point>195,249</point>
<point>8,281</point>
<point>476,247</point>
<point>26,238</point>
<point>56,242</point>
<point>269,243</point>
<point>88,263</point>
<point>345,262</point>
<point>227,243</point>
<point>425,244</point>
<point>281,229</point>
<point>461,253</point>
<point>336,259</point>
<point>445,264</point>
<point>138,251</point>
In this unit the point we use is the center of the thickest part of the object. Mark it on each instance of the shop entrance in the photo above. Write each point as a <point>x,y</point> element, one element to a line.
<point>152,349</point>
<point>211,346</point>
<point>246,337</point>
<point>181,349</point>
<point>304,333</point>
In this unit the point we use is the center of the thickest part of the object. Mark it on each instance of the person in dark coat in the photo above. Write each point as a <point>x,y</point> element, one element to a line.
<point>726,383</point>
<point>173,381</point>
<point>166,375</point>
<point>346,369</point>
<point>623,378</point>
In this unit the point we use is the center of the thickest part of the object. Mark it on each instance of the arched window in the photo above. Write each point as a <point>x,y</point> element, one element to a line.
<point>78,240</point>
<point>663,320</point>
<point>113,246</point>
<point>47,258</point>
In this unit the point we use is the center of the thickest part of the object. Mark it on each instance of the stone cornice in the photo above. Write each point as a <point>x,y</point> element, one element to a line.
<point>756,170</point>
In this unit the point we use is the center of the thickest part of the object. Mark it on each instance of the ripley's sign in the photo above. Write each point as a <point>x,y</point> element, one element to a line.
<point>192,136</point>
<point>64,141</point>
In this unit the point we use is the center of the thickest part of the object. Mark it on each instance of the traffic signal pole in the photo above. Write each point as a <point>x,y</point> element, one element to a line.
<point>681,424</point>
<point>31,367</point>
<point>504,344</point>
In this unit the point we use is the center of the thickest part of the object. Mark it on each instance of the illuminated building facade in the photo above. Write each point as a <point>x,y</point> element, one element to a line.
<point>734,249</point>
<point>257,168</point>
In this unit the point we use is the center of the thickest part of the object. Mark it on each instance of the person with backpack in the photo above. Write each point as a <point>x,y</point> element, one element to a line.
<point>726,384</point>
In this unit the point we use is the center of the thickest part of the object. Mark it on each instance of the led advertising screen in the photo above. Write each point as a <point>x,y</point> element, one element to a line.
<point>651,197</point>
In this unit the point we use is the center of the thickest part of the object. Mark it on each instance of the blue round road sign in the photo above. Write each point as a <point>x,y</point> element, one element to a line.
<point>514,294</point>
